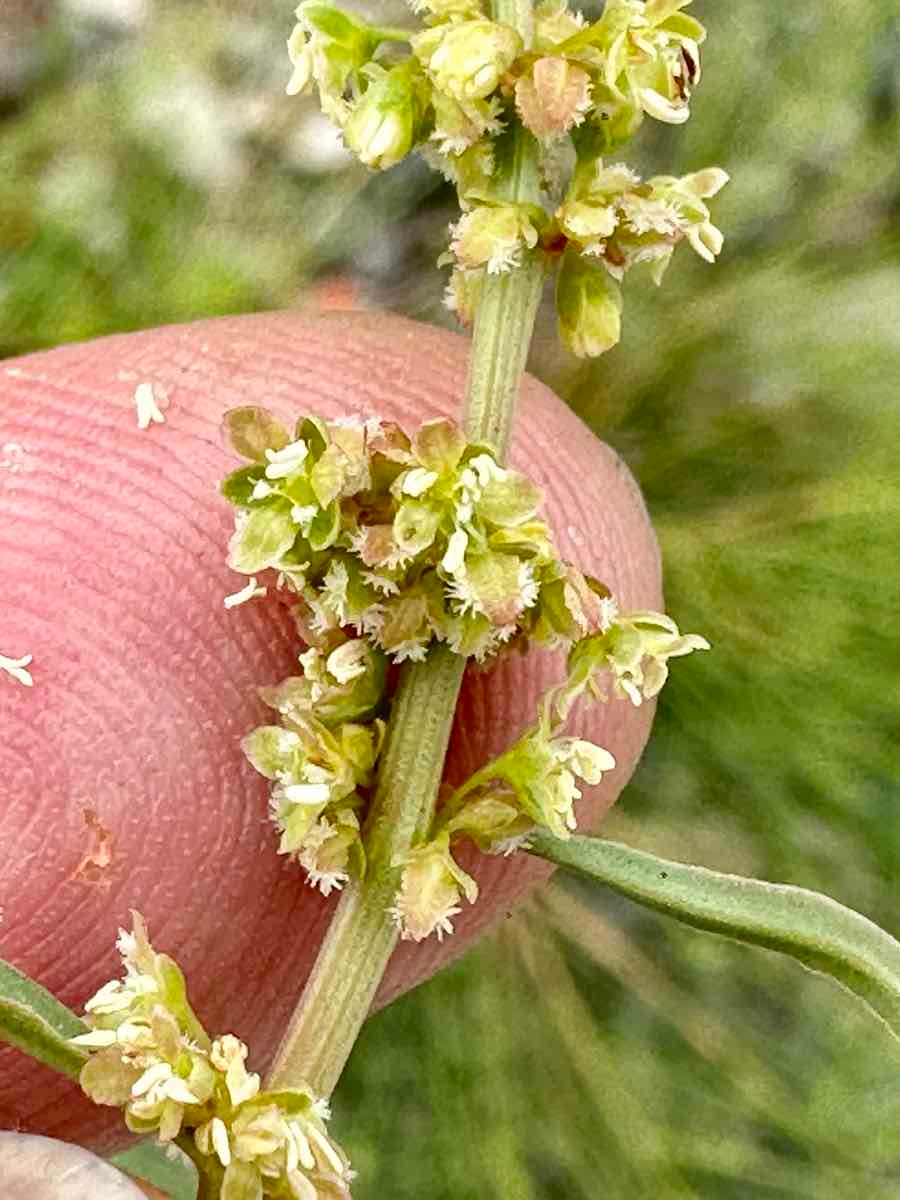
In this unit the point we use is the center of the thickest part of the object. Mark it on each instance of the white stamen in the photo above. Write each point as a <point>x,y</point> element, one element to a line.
<point>304,515</point>
<point>176,1089</point>
<point>15,668</point>
<point>349,661</point>
<point>417,481</point>
<point>454,558</point>
<point>307,793</point>
<point>158,1073</point>
<point>326,1147</point>
<point>220,1140</point>
<point>286,461</point>
<point>249,592</point>
<point>304,1150</point>
<point>96,1038</point>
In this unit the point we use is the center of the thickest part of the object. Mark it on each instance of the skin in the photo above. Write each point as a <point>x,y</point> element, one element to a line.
<point>112,561</point>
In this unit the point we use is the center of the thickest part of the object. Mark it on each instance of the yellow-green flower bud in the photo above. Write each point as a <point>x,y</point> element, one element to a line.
<point>493,820</point>
<point>589,306</point>
<point>387,122</point>
<point>330,47</point>
<point>587,223</point>
<point>467,60</point>
<point>542,772</point>
<point>332,850</point>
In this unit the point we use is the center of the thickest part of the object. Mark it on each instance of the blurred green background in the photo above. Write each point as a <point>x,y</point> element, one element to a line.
<point>151,170</point>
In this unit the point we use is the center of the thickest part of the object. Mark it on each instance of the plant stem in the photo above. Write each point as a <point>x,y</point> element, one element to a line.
<point>507,308</point>
<point>362,936</point>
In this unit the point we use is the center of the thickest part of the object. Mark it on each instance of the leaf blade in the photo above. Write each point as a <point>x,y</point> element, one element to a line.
<point>34,1021</point>
<point>811,928</point>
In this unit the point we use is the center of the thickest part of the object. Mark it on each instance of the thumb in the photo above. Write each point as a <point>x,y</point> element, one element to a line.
<point>124,784</point>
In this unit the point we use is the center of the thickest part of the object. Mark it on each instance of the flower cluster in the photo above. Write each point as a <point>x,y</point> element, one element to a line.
<point>387,543</point>
<point>634,651</point>
<point>398,540</point>
<point>150,1055</point>
<point>457,88</point>
<point>537,781</point>
<point>610,221</point>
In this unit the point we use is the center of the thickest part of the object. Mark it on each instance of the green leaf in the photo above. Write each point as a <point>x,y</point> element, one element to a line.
<point>238,487</point>
<point>266,535</point>
<point>175,1176</point>
<point>589,305</point>
<point>37,1023</point>
<point>325,527</point>
<point>814,929</point>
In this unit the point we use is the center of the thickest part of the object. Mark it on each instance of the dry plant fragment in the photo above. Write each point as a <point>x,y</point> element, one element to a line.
<point>94,866</point>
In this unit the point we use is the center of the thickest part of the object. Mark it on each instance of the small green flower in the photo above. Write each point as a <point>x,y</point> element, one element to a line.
<point>543,771</point>
<point>332,850</point>
<point>634,650</point>
<point>493,820</point>
<point>314,770</point>
<point>342,681</point>
<point>554,23</point>
<point>467,59</point>
<point>653,55</point>
<point>459,126</point>
<point>389,119</point>
<point>330,48</point>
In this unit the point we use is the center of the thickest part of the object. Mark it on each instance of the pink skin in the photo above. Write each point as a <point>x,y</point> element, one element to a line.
<point>112,561</point>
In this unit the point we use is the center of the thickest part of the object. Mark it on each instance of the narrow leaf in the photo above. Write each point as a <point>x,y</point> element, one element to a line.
<point>173,1173</point>
<point>36,1022</point>
<point>814,929</point>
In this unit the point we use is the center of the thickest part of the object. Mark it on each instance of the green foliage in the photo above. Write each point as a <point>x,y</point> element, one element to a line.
<point>814,929</point>
<point>175,1175</point>
<point>36,1022</point>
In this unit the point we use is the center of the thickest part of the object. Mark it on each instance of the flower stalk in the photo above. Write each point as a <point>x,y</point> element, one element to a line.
<point>362,936</point>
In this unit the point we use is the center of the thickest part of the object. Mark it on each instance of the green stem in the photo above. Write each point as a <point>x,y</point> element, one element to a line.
<point>506,313</point>
<point>390,33</point>
<point>362,936</point>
